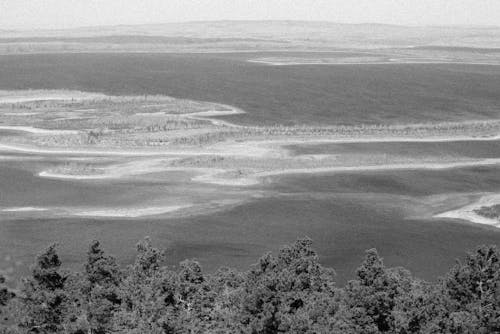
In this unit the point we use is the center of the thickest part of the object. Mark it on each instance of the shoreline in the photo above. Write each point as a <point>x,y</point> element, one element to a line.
<point>38,131</point>
<point>216,175</point>
<point>312,63</point>
<point>130,212</point>
<point>233,147</point>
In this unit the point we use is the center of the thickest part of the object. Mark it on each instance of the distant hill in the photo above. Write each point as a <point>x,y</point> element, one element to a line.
<point>255,35</point>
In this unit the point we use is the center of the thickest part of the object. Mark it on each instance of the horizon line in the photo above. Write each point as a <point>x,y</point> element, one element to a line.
<point>477,26</point>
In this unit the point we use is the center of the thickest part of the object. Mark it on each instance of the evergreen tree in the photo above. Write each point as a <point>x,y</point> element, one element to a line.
<point>472,292</point>
<point>6,295</point>
<point>45,300</point>
<point>147,295</point>
<point>99,289</point>
<point>288,293</point>
<point>369,301</point>
<point>277,289</point>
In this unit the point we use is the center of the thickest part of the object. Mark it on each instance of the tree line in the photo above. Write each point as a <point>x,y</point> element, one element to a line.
<point>290,292</point>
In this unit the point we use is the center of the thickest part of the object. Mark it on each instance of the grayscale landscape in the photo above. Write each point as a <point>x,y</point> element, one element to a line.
<point>223,140</point>
<point>385,138</point>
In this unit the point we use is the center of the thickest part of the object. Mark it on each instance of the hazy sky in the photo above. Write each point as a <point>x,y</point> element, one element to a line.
<point>27,14</point>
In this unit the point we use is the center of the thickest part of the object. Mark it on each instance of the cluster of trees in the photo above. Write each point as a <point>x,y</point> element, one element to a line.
<point>290,292</point>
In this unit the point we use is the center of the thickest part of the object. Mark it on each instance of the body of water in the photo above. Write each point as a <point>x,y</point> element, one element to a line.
<point>344,213</point>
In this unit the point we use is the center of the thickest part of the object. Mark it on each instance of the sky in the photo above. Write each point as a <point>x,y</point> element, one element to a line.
<point>61,14</point>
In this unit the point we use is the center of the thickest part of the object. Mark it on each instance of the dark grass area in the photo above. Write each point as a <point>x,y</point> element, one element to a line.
<point>287,94</point>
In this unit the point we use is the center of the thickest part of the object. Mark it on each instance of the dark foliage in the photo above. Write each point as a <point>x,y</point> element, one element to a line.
<point>290,292</point>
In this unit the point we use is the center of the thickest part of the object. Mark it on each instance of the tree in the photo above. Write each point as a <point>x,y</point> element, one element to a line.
<point>147,295</point>
<point>277,290</point>
<point>99,289</point>
<point>6,295</point>
<point>45,300</point>
<point>472,292</point>
<point>369,301</point>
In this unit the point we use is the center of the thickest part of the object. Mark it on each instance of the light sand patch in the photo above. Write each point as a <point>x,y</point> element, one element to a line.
<point>467,212</point>
<point>219,177</point>
<point>24,209</point>
<point>226,149</point>
<point>365,61</point>
<point>130,212</point>
<point>234,177</point>
<point>206,116</point>
<point>20,96</point>
<point>152,114</point>
<point>38,131</point>
<point>18,158</point>
<point>138,167</point>
<point>55,175</point>
<point>21,113</point>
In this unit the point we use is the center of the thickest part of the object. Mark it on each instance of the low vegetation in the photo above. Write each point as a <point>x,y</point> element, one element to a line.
<point>290,292</point>
<point>151,121</point>
<point>73,168</point>
<point>491,212</point>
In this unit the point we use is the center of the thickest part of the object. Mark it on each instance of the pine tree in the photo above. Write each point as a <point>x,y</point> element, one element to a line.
<point>99,289</point>
<point>147,295</point>
<point>370,300</point>
<point>45,300</point>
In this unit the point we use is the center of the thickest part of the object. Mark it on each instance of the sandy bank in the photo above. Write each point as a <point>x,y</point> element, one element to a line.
<point>207,116</point>
<point>130,212</point>
<point>38,131</point>
<point>120,170</point>
<point>19,96</point>
<point>225,149</point>
<point>394,61</point>
<point>24,209</point>
<point>234,177</point>
<point>467,212</point>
